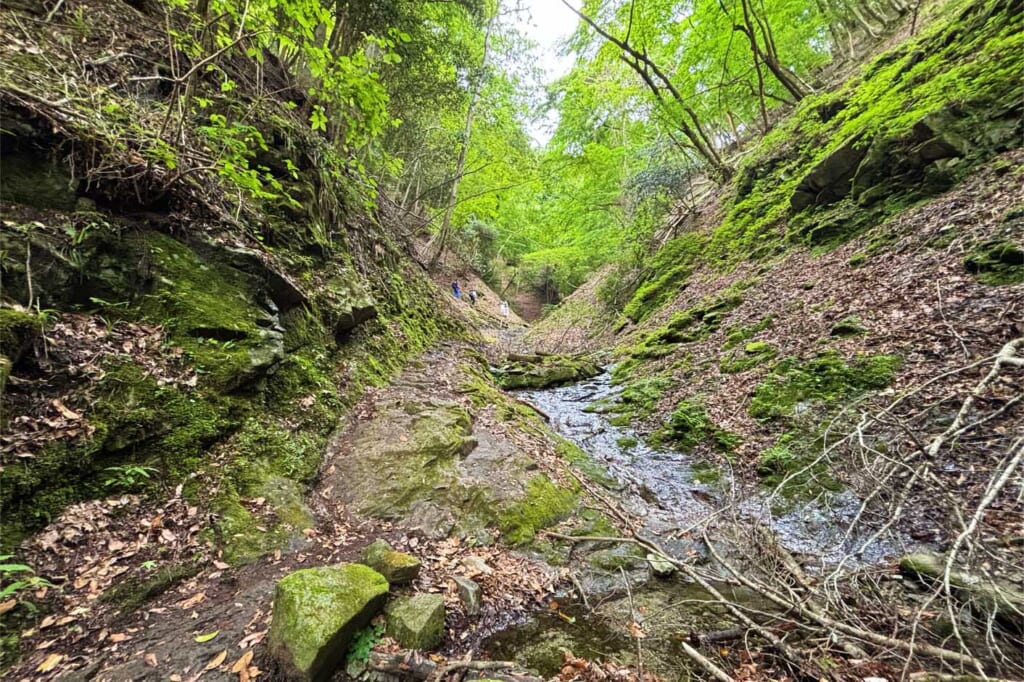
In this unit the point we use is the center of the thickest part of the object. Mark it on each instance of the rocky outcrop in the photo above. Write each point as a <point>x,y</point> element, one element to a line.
<point>398,567</point>
<point>829,181</point>
<point>316,613</point>
<point>417,622</point>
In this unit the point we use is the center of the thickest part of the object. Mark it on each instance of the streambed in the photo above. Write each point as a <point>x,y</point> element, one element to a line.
<point>671,493</point>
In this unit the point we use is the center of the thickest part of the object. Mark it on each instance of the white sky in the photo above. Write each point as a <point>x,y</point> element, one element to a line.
<point>548,23</point>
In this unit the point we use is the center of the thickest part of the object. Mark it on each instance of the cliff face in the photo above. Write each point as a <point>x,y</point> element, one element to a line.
<point>188,298</point>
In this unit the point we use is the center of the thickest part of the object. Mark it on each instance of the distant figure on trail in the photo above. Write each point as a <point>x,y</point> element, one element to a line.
<point>504,308</point>
<point>472,296</point>
<point>456,292</point>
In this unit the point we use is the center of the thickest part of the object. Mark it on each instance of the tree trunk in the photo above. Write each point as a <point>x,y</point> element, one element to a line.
<point>441,239</point>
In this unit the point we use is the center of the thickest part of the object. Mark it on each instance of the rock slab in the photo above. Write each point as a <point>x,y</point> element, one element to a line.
<point>317,611</point>
<point>417,622</point>
<point>397,567</point>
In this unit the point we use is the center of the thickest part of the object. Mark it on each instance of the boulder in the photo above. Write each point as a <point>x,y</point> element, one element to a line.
<point>316,613</point>
<point>398,568</point>
<point>417,622</point>
<point>470,594</point>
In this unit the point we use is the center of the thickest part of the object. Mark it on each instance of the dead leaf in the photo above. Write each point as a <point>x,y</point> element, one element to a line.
<point>150,660</point>
<point>65,412</point>
<point>118,637</point>
<point>8,605</point>
<point>51,662</point>
<point>216,660</point>
<point>241,667</point>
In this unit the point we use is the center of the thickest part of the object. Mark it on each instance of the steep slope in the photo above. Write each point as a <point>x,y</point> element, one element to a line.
<point>850,320</point>
<point>174,325</point>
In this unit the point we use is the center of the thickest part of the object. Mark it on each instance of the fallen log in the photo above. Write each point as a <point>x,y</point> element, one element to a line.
<point>414,666</point>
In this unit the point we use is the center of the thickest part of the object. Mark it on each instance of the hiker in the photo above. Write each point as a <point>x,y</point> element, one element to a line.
<point>472,296</point>
<point>455,289</point>
<point>504,308</point>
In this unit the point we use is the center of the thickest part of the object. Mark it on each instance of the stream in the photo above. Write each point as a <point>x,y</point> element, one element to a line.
<point>672,492</point>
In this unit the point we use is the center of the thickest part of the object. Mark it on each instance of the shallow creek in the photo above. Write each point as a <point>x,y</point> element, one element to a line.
<point>670,493</point>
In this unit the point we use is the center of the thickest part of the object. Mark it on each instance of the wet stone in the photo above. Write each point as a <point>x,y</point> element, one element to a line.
<point>470,594</point>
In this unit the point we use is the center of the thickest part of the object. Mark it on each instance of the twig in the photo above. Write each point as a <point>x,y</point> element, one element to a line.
<point>703,662</point>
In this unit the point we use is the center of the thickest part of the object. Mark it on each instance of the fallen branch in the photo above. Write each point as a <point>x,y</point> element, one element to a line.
<point>415,666</point>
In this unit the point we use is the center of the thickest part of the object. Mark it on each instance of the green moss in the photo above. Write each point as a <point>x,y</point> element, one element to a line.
<point>208,310</point>
<point>17,330</point>
<point>544,505</point>
<point>826,378</point>
<point>690,425</point>
<point>996,263</point>
<point>316,613</point>
<point>669,269</point>
<point>961,69</point>
<point>572,454</point>
<point>626,442</point>
<point>545,371</point>
<point>847,327</point>
<point>706,473</point>
<point>794,459</point>
<point>753,354</point>
<point>734,336</point>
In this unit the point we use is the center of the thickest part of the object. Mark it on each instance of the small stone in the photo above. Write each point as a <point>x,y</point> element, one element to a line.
<point>417,622</point>
<point>476,565</point>
<point>397,567</point>
<point>660,566</point>
<point>469,593</point>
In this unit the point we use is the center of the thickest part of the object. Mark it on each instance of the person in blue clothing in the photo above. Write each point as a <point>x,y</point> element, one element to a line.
<point>456,292</point>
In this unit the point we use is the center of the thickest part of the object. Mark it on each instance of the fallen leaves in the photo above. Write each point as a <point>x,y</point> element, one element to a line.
<point>49,663</point>
<point>217,660</point>
<point>202,639</point>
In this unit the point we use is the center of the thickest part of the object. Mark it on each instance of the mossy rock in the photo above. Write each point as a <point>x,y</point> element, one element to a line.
<point>996,263</point>
<point>316,613</point>
<point>847,327</point>
<point>417,622</point>
<point>398,567</point>
<point>545,371</point>
<point>545,504</point>
<point>824,379</point>
<point>18,329</point>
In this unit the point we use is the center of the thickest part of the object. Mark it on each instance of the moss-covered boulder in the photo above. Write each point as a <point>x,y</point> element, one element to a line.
<point>316,613</point>
<point>18,329</point>
<point>543,371</point>
<point>398,567</point>
<point>417,622</point>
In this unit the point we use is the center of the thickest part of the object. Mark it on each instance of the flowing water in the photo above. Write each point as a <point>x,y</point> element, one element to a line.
<point>670,493</point>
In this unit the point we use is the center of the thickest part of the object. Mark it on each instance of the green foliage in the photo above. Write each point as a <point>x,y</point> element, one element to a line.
<point>16,579</point>
<point>127,477</point>
<point>363,642</point>
<point>669,268</point>
<point>825,378</point>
